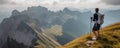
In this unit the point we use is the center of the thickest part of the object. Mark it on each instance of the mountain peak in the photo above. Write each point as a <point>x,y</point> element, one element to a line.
<point>37,8</point>
<point>15,12</point>
<point>66,9</point>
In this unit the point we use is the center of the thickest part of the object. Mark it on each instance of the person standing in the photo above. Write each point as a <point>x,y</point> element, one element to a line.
<point>98,20</point>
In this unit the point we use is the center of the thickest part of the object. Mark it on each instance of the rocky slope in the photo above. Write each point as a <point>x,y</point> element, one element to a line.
<point>21,31</point>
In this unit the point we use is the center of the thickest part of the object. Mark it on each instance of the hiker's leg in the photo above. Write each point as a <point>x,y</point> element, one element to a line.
<point>95,30</point>
<point>95,33</point>
<point>98,33</point>
<point>98,28</point>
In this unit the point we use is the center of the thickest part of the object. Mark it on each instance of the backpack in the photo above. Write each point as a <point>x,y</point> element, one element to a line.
<point>102,19</point>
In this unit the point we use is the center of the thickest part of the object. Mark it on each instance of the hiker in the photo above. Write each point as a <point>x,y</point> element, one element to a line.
<point>98,21</point>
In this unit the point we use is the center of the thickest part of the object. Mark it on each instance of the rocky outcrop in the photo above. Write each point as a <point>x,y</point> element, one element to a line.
<point>17,30</point>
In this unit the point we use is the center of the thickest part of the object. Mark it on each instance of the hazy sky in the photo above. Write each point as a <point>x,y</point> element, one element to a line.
<point>60,4</point>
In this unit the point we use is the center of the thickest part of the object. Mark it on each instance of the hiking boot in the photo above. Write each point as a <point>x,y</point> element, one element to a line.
<point>94,38</point>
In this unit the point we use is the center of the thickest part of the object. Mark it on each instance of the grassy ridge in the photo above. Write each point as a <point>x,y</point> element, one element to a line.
<point>110,38</point>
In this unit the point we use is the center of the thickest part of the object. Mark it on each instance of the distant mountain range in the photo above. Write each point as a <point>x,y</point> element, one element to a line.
<point>38,25</point>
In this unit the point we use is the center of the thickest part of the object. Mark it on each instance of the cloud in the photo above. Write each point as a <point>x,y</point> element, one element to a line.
<point>3,1</point>
<point>59,4</point>
<point>112,2</point>
<point>9,2</point>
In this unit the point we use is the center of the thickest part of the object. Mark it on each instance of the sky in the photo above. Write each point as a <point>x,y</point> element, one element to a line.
<point>60,4</point>
<point>7,6</point>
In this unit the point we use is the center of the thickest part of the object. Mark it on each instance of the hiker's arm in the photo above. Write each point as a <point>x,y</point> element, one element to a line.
<point>91,19</point>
